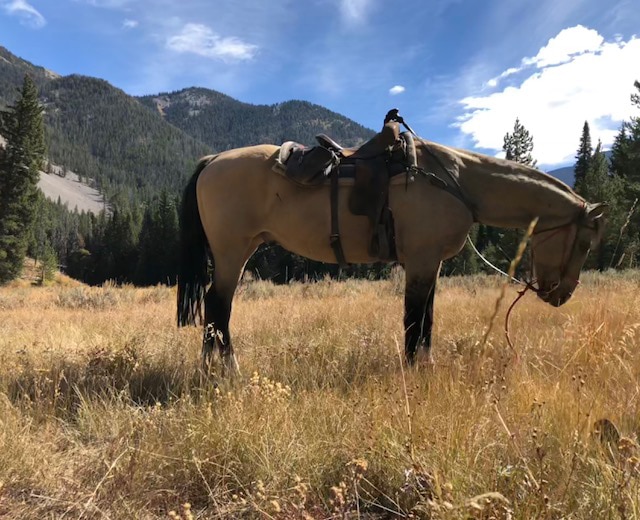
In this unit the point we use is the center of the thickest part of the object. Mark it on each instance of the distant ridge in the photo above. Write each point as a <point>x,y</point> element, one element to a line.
<point>567,174</point>
<point>133,148</point>
<point>222,122</point>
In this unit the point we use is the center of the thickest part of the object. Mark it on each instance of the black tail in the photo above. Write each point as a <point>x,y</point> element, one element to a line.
<point>194,253</point>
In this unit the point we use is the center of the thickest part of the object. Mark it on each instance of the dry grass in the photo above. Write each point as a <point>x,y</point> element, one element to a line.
<point>103,413</point>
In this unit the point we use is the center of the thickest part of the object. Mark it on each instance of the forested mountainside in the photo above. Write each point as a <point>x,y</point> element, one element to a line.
<point>12,71</point>
<point>104,134</point>
<point>223,122</point>
<point>134,148</point>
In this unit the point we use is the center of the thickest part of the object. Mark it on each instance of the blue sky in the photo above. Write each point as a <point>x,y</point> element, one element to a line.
<point>460,71</point>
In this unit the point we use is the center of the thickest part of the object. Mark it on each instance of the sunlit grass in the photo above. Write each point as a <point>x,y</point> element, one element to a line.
<point>104,413</point>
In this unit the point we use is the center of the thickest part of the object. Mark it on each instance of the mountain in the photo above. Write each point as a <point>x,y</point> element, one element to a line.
<point>102,133</point>
<point>134,148</point>
<point>223,122</point>
<point>567,173</point>
<point>12,71</point>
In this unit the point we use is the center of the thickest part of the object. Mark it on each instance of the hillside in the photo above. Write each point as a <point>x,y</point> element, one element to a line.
<point>71,191</point>
<point>566,174</point>
<point>223,122</point>
<point>102,133</point>
<point>133,148</point>
<point>12,71</point>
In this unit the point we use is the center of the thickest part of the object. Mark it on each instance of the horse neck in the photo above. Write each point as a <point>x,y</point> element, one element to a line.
<point>508,194</point>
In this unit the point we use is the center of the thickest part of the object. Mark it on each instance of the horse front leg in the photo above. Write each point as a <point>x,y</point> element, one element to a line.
<point>418,313</point>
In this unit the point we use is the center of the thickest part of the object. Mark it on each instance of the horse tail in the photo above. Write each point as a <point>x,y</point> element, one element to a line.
<point>193,253</point>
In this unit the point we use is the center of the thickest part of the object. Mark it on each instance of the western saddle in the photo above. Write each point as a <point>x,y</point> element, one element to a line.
<point>372,165</point>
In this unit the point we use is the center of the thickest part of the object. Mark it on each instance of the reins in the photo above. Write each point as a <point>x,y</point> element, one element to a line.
<point>529,284</point>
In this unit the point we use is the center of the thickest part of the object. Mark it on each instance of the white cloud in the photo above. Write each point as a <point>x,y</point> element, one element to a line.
<point>130,24</point>
<point>354,11</point>
<point>569,43</point>
<point>26,12</point>
<point>108,4</point>
<point>574,80</point>
<point>201,40</point>
<point>493,82</point>
<point>397,89</point>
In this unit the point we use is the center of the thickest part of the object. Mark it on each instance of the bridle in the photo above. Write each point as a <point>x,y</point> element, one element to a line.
<point>567,253</point>
<point>565,263</point>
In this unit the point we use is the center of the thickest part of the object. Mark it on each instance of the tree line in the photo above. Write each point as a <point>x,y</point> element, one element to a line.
<point>135,239</point>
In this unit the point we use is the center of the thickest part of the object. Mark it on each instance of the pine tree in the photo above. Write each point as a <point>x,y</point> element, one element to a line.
<point>599,186</point>
<point>519,145</point>
<point>157,261</point>
<point>625,158</point>
<point>504,242</point>
<point>583,159</point>
<point>49,264</point>
<point>22,127</point>
<point>620,153</point>
<point>596,177</point>
<point>624,217</point>
<point>118,256</point>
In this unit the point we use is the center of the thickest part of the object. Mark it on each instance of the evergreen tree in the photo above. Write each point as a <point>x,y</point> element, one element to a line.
<point>596,179</point>
<point>624,216</point>
<point>22,127</point>
<point>119,258</point>
<point>499,246</point>
<point>599,186</point>
<point>49,264</point>
<point>158,244</point>
<point>620,153</point>
<point>519,145</point>
<point>583,159</point>
<point>502,244</point>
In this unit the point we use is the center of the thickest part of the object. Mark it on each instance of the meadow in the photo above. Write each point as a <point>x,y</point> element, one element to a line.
<point>104,412</point>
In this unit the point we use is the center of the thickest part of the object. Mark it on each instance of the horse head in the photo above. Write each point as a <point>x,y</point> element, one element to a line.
<point>560,252</point>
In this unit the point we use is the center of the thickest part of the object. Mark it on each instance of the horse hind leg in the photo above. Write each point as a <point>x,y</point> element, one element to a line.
<point>217,312</point>
<point>218,303</point>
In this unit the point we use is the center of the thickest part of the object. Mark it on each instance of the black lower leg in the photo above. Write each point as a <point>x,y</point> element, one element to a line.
<point>418,316</point>
<point>216,317</point>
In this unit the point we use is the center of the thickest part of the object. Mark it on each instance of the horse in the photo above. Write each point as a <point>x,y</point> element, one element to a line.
<point>236,200</point>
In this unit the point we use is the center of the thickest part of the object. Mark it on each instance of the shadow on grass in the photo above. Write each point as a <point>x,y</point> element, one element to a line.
<point>60,388</point>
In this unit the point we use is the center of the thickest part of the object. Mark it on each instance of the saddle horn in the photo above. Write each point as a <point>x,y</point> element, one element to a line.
<point>393,115</point>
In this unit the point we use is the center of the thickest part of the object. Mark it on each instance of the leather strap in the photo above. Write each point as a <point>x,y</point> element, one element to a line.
<point>335,242</point>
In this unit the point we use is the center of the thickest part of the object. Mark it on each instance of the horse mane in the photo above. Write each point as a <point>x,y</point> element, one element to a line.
<point>460,157</point>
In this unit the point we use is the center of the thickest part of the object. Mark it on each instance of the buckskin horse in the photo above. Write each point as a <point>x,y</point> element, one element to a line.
<point>241,198</point>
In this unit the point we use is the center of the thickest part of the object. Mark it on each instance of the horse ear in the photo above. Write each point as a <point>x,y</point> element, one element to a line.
<point>596,210</point>
<point>595,213</point>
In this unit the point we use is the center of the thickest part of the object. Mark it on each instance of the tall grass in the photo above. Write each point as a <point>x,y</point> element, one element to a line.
<point>104,413</point>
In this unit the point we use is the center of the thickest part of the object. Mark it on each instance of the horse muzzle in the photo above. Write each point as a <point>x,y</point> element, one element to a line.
<point>555,293</point>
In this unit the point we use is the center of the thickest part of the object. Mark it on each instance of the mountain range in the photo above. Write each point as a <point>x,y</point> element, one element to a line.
<point>132,148</point>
